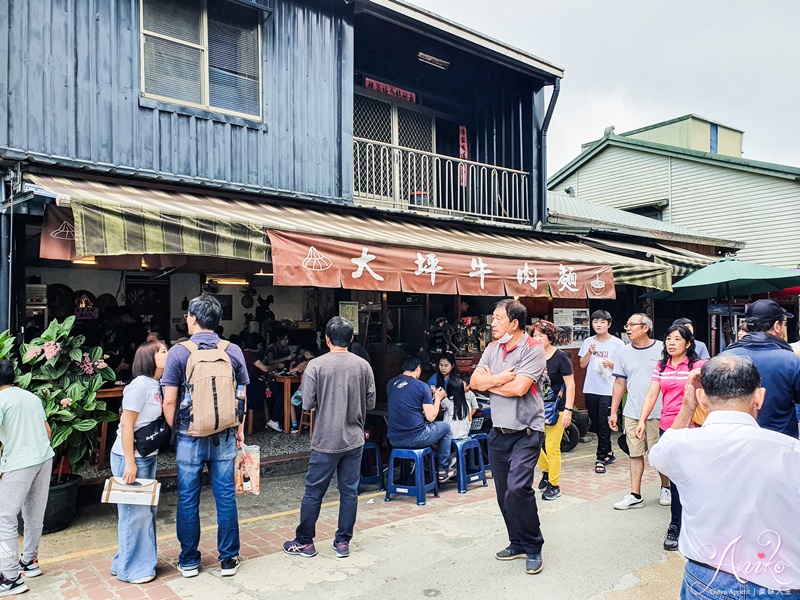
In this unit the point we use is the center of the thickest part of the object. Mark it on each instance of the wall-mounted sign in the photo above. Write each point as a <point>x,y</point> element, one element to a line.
<point>389,90</point>
<point>349,311</point>
<point>572,326</point>
<point>463,153</point>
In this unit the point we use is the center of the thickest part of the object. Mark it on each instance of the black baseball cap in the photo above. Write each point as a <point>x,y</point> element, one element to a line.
<point>766,311</point>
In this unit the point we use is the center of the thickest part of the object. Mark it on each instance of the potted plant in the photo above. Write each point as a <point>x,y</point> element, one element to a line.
<point>65,376</point>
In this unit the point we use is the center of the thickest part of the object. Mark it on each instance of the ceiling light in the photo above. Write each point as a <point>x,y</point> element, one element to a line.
<point>262,274</point>
<point>232,281</point>
<point>144,263</point>
<point>86,260</point>
<point>433,61</point>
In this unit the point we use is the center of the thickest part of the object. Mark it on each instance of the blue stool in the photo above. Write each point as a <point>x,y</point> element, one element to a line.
<point>469,464</point>
<point>419,487</point>
<point>371,474</point>
<point>483,440</point>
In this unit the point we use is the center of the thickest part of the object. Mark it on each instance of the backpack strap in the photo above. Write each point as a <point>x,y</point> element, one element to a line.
<point>223,345</point>
<point>189,345</point>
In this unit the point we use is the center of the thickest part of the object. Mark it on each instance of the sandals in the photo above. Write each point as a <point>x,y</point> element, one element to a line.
<point>444,476</point>
<point>599,467</point>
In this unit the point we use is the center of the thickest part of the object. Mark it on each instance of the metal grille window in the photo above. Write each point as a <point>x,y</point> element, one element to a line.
<point>202,53</point>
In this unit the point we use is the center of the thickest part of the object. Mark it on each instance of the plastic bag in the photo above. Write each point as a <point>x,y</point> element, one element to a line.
<point>247,473</point>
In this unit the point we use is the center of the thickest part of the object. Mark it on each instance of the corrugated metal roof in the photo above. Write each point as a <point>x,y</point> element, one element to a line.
<point>336,224</point>
<point>564,210</point>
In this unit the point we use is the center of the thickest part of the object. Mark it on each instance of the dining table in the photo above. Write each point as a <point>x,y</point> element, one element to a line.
<point>287,380</point>
<point>112,396</point>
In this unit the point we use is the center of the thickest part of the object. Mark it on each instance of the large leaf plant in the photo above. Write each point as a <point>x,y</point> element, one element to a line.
<point>66,376</point>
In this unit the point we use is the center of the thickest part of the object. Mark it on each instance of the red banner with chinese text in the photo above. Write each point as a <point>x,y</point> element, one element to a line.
<point>309,260</point>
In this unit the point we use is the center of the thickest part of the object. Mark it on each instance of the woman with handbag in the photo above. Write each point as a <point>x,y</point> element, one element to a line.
<point>141,427</point>
<point>559,398</point>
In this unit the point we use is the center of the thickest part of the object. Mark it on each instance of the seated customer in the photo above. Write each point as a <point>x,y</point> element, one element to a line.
<point>412,412</point>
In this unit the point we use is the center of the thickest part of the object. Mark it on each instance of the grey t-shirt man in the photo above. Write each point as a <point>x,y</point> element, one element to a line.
<point>340,385</point>
<point>519,412</point>
<point>636,365</point>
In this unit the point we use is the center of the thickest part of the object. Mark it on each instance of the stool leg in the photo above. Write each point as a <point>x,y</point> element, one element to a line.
<point>433,474</point>
<point>380,468</point>
<point>391,479</point>
<point>461,465</point>
<point>419,472</point>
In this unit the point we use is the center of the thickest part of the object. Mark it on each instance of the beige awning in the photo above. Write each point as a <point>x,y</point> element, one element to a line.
<point>113,220</point>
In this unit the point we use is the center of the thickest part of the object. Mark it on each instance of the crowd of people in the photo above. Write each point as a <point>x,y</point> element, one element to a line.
<point>713,428</point>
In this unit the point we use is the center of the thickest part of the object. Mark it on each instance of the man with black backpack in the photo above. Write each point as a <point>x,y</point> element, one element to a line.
<point>209,427</point>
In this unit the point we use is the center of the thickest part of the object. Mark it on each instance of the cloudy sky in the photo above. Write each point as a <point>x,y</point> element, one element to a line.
<point>631,63</point>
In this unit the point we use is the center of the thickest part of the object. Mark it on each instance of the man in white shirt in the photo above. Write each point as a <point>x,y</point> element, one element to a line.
<point>598,354</point>
<point>740,488</point>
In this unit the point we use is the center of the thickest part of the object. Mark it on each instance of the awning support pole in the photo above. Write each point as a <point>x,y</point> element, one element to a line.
<point>5,261</point>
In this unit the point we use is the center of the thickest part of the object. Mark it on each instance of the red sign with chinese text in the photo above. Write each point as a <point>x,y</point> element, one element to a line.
<point>389,90</point>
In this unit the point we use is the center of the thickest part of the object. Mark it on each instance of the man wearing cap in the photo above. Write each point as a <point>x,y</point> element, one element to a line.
<point>766,346</point>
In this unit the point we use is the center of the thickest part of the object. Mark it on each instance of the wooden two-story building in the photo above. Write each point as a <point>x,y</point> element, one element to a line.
<point>363,146</point>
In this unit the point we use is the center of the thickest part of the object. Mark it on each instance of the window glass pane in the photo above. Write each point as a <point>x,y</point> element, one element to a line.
<point>181,19</point>
<point>233,58</point>
<point>172,70</point>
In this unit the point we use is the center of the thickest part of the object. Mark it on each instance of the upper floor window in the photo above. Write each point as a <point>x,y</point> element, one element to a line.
<point>202,53</point>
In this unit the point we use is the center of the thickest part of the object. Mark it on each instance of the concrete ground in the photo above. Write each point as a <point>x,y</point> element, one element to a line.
<point>443,549</point>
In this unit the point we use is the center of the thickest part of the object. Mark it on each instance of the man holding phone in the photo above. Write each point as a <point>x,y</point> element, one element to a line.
<point>412,416</point>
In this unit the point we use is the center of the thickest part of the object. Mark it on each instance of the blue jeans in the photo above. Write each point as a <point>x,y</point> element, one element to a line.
<point>438,433</point>
<point>704,583</point>
<point>137,555</point>
<point>192,454</point>
<point>321,467</point>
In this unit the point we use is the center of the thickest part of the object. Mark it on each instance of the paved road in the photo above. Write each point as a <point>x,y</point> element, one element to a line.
<point>444,549</point>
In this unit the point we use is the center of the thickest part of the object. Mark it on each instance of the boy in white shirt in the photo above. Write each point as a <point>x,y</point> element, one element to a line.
<point>597,355</point>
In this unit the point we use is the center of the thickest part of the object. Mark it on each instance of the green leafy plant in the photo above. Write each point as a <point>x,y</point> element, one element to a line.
<point>66,376</point>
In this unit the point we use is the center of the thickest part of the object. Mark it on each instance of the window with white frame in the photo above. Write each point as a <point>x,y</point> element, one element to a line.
<point>202,53</point>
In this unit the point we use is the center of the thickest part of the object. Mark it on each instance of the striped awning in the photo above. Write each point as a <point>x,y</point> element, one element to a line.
<point>681,261</point>
<point>113,220</point>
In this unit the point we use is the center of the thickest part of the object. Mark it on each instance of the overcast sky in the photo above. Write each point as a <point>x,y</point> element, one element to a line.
<point>631,63</point>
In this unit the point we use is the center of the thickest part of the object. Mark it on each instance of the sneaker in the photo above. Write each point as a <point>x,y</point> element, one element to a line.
<point>551,493</point>
<point>229,566</point>
<point>666,497</point>
<point>30,569</point>
<point>294,430</point>
<point>189,571</point>
<point>295,548</point>
<point>671,539</point>
<point>274,426</point>
<point>629,501</point>
<point>545,481</point>
<point>10,587</point>
<point>533,564</point>
<point>143,580</point>
<point>342,549</point>
<point>510,554</point>
<point>445,476</point>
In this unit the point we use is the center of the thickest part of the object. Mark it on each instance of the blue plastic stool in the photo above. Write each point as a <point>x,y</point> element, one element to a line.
<point>371,450</point>
<point>469,463</point>
<point>419,488</point>
<point>483,440</point>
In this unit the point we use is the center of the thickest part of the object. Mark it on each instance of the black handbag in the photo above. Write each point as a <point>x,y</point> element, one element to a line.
<point>151,437</point>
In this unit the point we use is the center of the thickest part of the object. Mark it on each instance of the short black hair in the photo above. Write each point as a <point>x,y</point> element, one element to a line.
<point>339,331</point>
<point>602,314</point>
<point>729,378</point>
<point>207,310</point>
<point>410,363</point>
<point>682,321</point>
<point>7,374</point>
<point>515,310</point>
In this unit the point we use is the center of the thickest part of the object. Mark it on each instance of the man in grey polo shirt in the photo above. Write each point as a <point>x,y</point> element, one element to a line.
<point>510,370</point>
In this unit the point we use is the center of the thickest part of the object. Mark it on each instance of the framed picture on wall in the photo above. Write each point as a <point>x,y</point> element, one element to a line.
<point>226,301</point>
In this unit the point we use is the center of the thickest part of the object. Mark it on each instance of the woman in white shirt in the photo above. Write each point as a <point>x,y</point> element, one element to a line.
<point>137,555</point>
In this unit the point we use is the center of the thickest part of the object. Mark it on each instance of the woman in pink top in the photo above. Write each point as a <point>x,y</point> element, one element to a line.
<point>669,380</point>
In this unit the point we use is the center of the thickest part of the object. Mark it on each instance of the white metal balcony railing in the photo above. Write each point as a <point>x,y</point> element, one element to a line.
<point>389,176</point>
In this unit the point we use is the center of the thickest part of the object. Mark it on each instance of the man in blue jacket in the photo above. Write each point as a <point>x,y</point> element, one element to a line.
<point>778,364</point>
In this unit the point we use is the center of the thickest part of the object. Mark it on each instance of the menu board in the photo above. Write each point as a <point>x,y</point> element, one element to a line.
<point>349,311</point>
<point>573,326</point>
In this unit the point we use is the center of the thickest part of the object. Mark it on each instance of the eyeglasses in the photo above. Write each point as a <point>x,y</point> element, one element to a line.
<point>632,325</point>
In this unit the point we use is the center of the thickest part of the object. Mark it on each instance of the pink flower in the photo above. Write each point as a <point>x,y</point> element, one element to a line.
<point>66,402</point>
<point>51,349</point>
<point>33,352</point>
<point>100,364</point>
